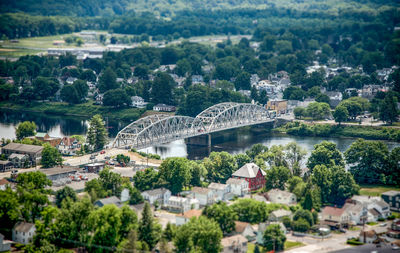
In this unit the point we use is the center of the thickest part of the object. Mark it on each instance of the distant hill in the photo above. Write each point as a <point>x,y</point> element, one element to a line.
<point>170,7</point>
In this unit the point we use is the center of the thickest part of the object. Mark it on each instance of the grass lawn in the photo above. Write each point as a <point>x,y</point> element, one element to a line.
<point>251,246</point>
<point>354,229</point>
<point>376,190</point>
<point>291,245</point>
<point>372,223</point>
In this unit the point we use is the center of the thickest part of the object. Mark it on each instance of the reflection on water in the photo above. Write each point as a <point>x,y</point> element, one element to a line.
<point>233,141</point>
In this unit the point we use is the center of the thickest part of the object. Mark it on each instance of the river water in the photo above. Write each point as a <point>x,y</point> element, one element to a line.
<point>233,141</point>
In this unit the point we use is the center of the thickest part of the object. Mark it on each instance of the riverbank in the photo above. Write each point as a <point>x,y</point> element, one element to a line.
<point>328,130</point>
<point>85,110</point>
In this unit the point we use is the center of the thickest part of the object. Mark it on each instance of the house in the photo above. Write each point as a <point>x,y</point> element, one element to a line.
<point>161,195</point>
<point>113,200</point>
<point>125,195</point>
<point>260,198</point>
<point>34,152</point>
<point>69,146</point>
<point>281,197</point>
<point>204,195</point>
<point>358,212</point>
<point>335,97</point>
<point>186,216</point>
<point>138,102</point>
<point>254,79</point>
<point>182,204</point>
<point>382,209</point>
<point>368,236</point>
<point>238,187</point>
<point>59,173</point>
<point>234,244</point>
<point>393,199</point>
<point>4,246</point>
<point>71,80</point>
<point>263,226</point>
<point>220,190</point>
<point>278,215</point>
<point>164,108</point>
<point>280,107</point>
<point>197,79</point>
<point>23,232</point>
<point>245,229</point>
<point>41,136</point>
<point>5,165</point>
<point>20,160</point>
<point>334,216</point>
<point>4,183</point>
<point>252,174</point>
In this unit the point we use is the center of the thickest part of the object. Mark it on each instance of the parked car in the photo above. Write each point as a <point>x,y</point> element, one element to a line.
<point>102,152</point>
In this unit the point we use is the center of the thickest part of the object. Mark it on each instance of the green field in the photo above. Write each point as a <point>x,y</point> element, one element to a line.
<point>376,190</point>
<point>288,245</point>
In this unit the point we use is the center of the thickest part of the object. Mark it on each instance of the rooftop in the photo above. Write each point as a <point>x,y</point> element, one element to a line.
<point>217,186</point>
<point>391,193</point>
<point>191,213</point>
<point>157,191</point>
<point>23,148</point>
<point>236,181</point>
<point>110,200</point>
<point>249,170</point>
<point>23,227</point>
<point>330,210</point>
<point>200,190</point>
<point>232,240</point>
<point>58,170</point>
<point>240,226</point>
<point>281,213</point>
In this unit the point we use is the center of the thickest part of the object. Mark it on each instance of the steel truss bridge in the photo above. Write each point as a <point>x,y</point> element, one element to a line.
<point>163,128</point>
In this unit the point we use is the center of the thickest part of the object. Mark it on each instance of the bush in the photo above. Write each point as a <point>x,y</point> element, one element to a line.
<point>391,217</point>
<point>301,225</point>
<point>381,219</point>
<point>354,242</point>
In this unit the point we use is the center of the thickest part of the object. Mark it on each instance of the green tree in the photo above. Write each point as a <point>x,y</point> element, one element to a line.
<point>198,173</point>
<point>45,87</point>
<point>242,159</point>
<point>135,196</point>
<point>341,114</point>
<point>110,181</point>
<point>388,109</point>
<point>149,229</point>
<point>325,153</point>
<point>116,98</point>
<point>176,172</point>
<point>277,177</point>
<point>108,80</point>
<point>161,91</point>
<point>169,232</point>
<point>223,215</point>
<point>299,112</point>
<point>95,189</point>
<point>97,133</point>
<point>256,150</point>
<point>367,160</point>
<point>146,180</point>
<point>242,81</point>
<point>322,98</point>
<point>318,110</point>
<point>294,155</point>
<point>274,238</point>
<point>301,225</point>
<point>394,167</point>
<point>250,210</point>
<point>219,166</point>
<point>9,209</point>
<point>25,129</point>
<point>198,235</point>
<point>50,156</point>
<point>63,194</point>
<point>304,214</point>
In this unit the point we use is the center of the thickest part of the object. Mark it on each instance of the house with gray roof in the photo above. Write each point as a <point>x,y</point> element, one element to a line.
<point>204,195</point>
<point>34,152</point>
<point>23,232</point>
<point>278,215</point>
<point>281,197</point>
<point>4,246</point>
<point>113,200</point>
<point>238,186</point>
<point>161,195</point>
<point>221,191</point>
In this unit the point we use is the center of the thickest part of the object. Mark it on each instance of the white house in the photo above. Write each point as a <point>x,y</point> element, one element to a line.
<point>138,102</point>
<point>182,204</point>
<point>164,108</point>
<point>377,203</point>
<point>4,246</point>
<point>125,195</point>
<point>278,215</point>
<point>220,190</point>
<point>204,195</point>
<point>185,217</point>
<point>358,213</point>
<point>281,197</point>
<point>238,187</point>
<point>161,195</point>
<point>335,216</point>
<point>235,243</point>
<point>23,232</point>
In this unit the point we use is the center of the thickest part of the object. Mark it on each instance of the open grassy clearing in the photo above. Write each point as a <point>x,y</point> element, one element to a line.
<point>376,190</point>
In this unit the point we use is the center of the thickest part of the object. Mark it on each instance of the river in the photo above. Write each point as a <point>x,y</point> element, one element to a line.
<point>233,141</point>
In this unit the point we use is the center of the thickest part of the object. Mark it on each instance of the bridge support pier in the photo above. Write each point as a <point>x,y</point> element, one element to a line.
<point>201,140</point>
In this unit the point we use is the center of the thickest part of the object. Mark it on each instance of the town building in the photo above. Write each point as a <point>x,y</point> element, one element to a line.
<point>181,219</point>
<point>113,200</point>
<point>335,217</point>
<point>245,229</point>
<point>234,244</point>
<point>53,141</point>
<point>393,199</point>
<point>164,108</point>
<point>281,197</point>
<point>204,195</point>
<point>335,97</point>
<point>138,102</point>
<point>377,207</point>
<point>5,165</point>
<point>252,174</point>
<point>69,146</point>
<point>23,232</point>
<point>59,175</point>
<point>161,195</point>
<point>4,246</point>
<point>34,152</point>
<point>182,204</point>
<point>279,214</point>
<point>358,212</point>
<point>221,191</point>
<point>20,160</point>
<point>281,107</point>
<point>238,187</point>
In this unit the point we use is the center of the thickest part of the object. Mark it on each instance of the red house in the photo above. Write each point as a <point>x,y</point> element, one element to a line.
<point>252,174</point>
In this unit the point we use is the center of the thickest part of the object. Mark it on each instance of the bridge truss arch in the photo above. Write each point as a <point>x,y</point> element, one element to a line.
<point>163,128</point>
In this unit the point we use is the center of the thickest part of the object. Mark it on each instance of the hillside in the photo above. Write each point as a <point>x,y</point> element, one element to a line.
<point>170,7</point>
